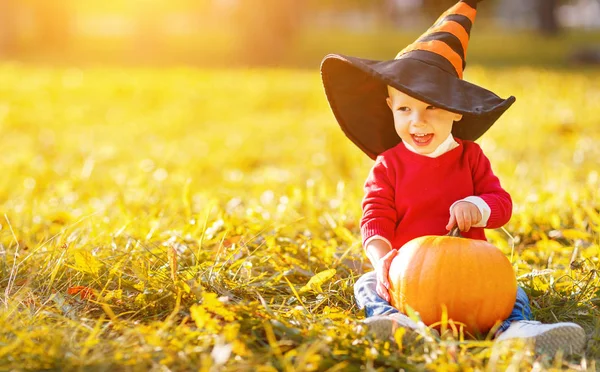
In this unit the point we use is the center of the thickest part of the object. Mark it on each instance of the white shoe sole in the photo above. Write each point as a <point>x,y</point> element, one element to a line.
<point>383,327</point>
<point>571,340</point>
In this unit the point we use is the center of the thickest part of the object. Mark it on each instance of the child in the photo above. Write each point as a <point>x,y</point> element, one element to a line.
<point>417,118</point>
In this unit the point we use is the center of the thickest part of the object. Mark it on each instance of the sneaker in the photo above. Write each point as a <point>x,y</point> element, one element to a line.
<point>547,338</point>
<point>384,327</point>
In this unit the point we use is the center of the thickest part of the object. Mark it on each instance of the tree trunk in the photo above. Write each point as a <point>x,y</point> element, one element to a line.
<point>547,20</point>
<point>435,8</point>
<point>267,28</point>
<point>8,31</point>
<point>53,24</point>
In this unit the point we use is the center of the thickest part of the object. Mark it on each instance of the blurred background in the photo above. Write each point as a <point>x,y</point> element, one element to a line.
<point>286,33</point>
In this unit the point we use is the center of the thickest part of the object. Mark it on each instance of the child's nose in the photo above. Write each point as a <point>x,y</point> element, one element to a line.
<point>418,118</point>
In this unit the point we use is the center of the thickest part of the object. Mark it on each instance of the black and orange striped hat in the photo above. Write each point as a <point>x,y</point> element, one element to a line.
<point>430,69</point>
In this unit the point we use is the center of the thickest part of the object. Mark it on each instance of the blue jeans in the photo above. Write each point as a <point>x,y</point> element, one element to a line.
<point>366,297</point>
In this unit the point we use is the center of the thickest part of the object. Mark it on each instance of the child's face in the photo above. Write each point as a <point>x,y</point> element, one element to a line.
<point>419,124</point>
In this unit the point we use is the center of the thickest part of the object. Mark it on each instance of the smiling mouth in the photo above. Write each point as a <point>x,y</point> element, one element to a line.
<point>422,139</point>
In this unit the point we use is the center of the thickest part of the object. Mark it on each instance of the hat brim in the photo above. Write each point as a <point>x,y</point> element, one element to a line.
<point>356,89</point>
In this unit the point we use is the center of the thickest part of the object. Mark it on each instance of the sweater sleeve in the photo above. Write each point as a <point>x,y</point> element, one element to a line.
<point>379,212</point>
<point>487,187</point>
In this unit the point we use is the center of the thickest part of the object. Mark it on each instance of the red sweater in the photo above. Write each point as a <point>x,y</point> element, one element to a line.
<point>408,195</point>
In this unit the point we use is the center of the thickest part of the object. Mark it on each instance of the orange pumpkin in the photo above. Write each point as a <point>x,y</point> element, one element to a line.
<point>472,279</point>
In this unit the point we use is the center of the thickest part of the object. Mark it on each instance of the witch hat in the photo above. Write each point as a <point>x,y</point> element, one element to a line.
<point>430,69</point>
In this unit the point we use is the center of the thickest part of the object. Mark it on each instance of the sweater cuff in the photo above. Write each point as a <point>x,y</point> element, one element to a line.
<point>377,237</point>
<point>377,228</point>
<point>483,207</point>
<point>502,212</point>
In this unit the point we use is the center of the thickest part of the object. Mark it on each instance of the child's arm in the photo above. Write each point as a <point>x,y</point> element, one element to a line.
<point>381,254</point>
<point>376,249</point>
<point>379,208</point>
<point>487,187</point>
<point>378,223</point>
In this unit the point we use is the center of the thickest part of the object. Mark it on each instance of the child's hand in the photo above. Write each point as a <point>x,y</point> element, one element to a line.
<point>465,215</point>
<point>382,270</point>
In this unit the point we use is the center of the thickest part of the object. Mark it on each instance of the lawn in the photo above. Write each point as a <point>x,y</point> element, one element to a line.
<point>171,219</point>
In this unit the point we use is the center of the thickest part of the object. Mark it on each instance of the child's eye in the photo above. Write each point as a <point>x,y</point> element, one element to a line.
<point>431,108</point>
<point>403,109</point>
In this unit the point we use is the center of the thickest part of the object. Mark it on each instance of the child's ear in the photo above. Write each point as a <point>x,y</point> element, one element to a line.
<point>389,102</point>
<point>457,117</point>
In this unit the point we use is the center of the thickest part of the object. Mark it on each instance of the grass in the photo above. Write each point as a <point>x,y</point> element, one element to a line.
<point>172,219</point>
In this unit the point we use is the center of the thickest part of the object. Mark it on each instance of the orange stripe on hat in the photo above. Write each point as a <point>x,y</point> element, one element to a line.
<point>440,48</point>
<point>455,29</point>
<point>461,8</point>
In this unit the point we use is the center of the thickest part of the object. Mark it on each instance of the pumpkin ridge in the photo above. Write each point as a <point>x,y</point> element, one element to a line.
<point>445,268</point>
<point>497,285</point>
<point>481,310</point>
<point>402,284</point>
<point>423,255</point>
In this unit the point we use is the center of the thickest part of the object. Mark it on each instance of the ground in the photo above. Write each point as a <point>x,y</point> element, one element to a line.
<point>171,219</point>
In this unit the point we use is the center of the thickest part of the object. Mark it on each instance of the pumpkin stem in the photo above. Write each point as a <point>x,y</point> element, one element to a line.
<point>455,232</point>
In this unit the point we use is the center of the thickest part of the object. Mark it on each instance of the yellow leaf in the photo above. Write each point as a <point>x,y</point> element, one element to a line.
<point>334,313</point>
<point>186,288</point>
<point>594,217</point>
<point>239,348</point>
<point>555,221</point>
<point>266,368</point>
<point>203,318</point>
<point>231,331</point>
<point>86,262</point>
<point>575,234</point>
<point>591,252</point>
<point>549,245</point>
<point>116,294</point>
<point>345,234</point>
<point>398,334</point>
<point>317,280</point>
<point>213,304</point>
<point>115,268</point>
<point>140,300</point>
